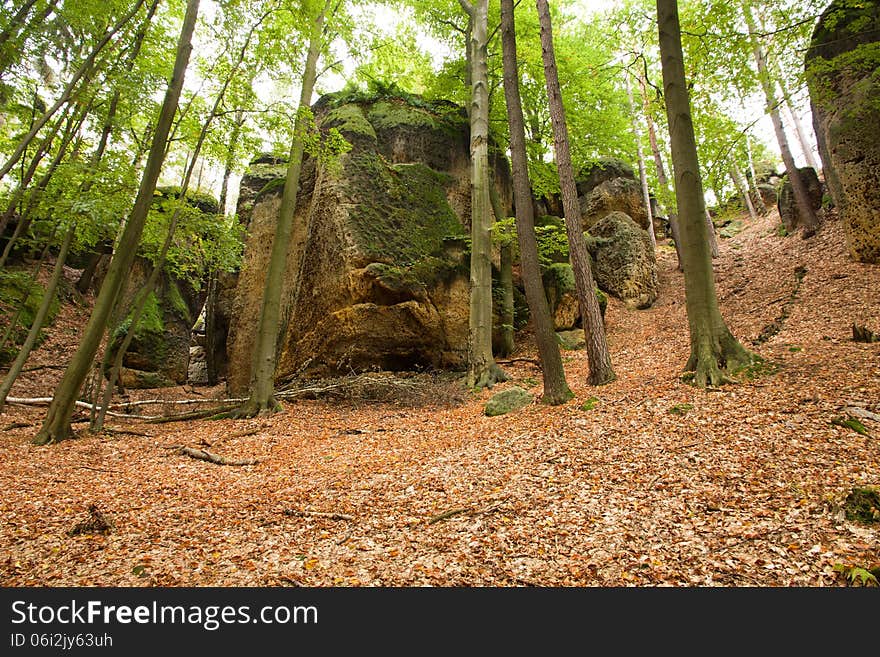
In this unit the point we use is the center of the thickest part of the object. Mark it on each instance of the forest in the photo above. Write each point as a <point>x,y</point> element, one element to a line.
<point>452,293</point>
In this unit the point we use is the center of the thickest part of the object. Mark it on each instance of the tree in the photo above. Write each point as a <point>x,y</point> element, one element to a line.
<point>483,372</point>
<point>56,426</point>
<point>601,371</point>
<point>798,185</point>
<point>556,390</point>
<point>262,386</point>
<point>715,353</point>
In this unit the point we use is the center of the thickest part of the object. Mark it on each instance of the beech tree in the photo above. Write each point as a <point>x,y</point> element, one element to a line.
<point>556,390</point>
<point>715,353</point>
<point>599,357</point>
<point>56,426</point>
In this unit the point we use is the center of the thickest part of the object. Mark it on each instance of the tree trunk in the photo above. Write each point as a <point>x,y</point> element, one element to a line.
<point>56,426</point>
<point>556,390</point>
<point>39,318</point>
<point>483,372</point>
<point>262,386</point>
<point>598,355</point>
<point>743,189</point>
<point>710,232</point>
<point>643,178</point>
<point>715,353</point>
<point>801,195</point>
<point>505,277</point>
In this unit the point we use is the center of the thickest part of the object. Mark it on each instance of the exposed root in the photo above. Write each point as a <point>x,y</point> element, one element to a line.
<point>205,455</point>
<point>491,375</point>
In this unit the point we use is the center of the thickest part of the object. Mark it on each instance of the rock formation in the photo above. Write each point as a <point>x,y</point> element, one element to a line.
<point>377,269</point>
<point>841,65</point>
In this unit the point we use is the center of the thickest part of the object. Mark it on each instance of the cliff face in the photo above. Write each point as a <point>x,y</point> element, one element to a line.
<point>842,67</point>
<point>377,272</point>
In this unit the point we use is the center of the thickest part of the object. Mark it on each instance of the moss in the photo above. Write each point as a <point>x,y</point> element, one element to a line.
<point>273,186</point>
<point>174,302</point>
<point>863,505</point>
<point>150,322</point>
<point>759,367</point>
<point>508,400</point>
<point>18,291</point>
<point>850,423</point>
<point>195,198</point>
<point>680,409</point>
<point>403,212</point>
<point>349,119</point>
<point>590,404</point>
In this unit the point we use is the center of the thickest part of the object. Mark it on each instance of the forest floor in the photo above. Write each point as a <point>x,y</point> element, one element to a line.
<point>660,484</point>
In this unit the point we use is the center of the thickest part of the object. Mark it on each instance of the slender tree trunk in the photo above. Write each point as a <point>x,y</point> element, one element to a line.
<point>799,187</point>
<point>483,372</point>
<point>598,355</point>
<point>56,426</point>
<point>710,233</point>
<point>84,72</point>
<point>505,277</point>
<point>643,178</point>
<point>676,238</point>
<point>39,318</point>
<point>556,390</point>
<point>743,190</point>
<point>715,353</point>
<point>262,386</point>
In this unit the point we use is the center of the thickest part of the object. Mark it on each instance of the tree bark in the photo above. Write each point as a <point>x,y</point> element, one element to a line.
<point>56,426</point>
<point>505,277</point>
<point>643,178</point>
<point>743,189</point>
<point>262,386</point>
<point>598,355</point>
<point>801,195</point>
<point>483,372</point>
<point>556,390</point>
<point>715,353</point>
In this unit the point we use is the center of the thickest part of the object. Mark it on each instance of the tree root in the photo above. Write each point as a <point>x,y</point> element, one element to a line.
<point>491,375</point>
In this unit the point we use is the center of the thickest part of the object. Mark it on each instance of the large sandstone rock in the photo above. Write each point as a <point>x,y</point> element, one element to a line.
<point>786,204</point>
<point>610,186</point>
<point>158,354</point>
<point>559,286</point>
<point>842,64</point>
<point>377,267</point>
<point>624,262</point>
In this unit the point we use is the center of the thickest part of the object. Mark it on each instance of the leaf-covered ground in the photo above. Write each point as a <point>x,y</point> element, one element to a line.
<point>659,484</point>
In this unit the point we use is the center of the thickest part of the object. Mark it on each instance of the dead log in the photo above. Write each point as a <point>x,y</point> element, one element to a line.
<point>318,514</point>
<point>205,455</point>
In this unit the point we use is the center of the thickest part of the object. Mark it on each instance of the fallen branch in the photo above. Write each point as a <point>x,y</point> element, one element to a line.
<point>177,402</point>
<point>511,361</point>
<point>88,467</point>
<point>43,401</point>
<point>449,514</point>
<point>194,415</point>
<point>318,514</point>
<point>43,367</point>
<point>204,455</point>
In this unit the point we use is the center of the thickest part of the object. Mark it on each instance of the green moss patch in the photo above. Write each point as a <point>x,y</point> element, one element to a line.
<point>863,505</point>
<point>508,400</point>
<point>18,291</point>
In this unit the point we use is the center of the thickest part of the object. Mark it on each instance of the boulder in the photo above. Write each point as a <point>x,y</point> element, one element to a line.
<point>610,186</point>
<point>841,66</point>
<point>558,281</point>
<point>508,400</point>
<point>377,271</point>
<point>158,354</point>
<point>625,265</point>
<point>788,209</point>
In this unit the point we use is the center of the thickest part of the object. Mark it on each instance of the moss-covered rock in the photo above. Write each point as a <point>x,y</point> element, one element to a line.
<point>786,204</point>
<point>625,263</point>
<point>559,286</point>
<point>508,400</point>
<point>378,263</point>
<point>842,66</point>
